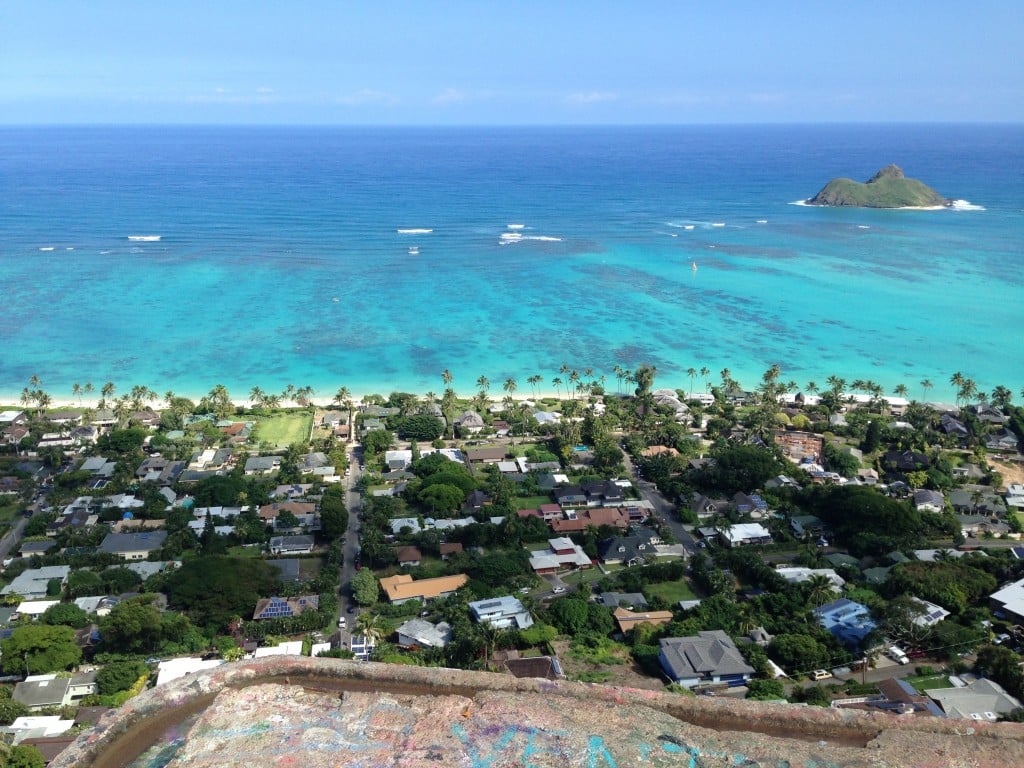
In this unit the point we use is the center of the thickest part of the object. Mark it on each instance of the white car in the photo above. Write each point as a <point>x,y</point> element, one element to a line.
<point>558,590</point>
<point>341,622</point>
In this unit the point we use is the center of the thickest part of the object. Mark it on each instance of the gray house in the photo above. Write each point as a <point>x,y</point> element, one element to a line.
<point>710,657</point>
<point>133,546</point>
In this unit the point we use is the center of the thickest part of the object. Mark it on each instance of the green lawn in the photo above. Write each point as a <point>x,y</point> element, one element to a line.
<point>928,682</point>
<point>283,429</point>
<point>672,591</point>
<point>588,576</point>
<point>532,502</point>
<point>244,551</point>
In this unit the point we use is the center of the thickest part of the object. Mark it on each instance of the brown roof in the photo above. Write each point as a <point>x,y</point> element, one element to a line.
<point>629,619</point>
<point>402,586</point>
<point>534,666</point>
<point>658,450</point>
<point>408,554</point>
<point>271,511</point>
<point>449,548</point>
<point>597,517</point>
<point>49,746</point>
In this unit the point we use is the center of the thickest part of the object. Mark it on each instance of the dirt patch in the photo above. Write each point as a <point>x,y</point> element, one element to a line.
<point>629,674</point>
<point>1012,473</point>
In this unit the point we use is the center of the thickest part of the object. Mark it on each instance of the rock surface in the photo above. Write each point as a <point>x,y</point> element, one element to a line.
<point>389,716</point>
<point>889,188</point>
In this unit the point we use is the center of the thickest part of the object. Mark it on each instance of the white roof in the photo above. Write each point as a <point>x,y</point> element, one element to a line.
<point>8,416</point>
<point>35,607</point>
<point>742,531</point>
<point>398,523</point>
<point>1012,596</point>
<point>172,669</point>
<point>89,604</point>
<point>798,573</point>
<point>318,648</point>
<point>292,648</point>
<point>51,725</point>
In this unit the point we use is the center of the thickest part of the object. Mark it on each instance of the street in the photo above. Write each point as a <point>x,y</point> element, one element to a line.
<point>351,546</point>
<point>664,510</point>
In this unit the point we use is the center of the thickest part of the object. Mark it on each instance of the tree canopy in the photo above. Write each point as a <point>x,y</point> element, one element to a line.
<point>38,649</point>
<point>213,590</point>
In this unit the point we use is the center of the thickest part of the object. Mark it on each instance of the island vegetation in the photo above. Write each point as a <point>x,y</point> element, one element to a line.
<point>888,188</point>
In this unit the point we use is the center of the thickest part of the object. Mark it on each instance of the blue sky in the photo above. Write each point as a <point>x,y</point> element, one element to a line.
<point>453,62</point>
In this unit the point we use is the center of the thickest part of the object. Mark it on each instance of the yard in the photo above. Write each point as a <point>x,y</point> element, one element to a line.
<point>284,429</point>
<point>623,672</point>
<point>928,682</point>
<point>671,591</point>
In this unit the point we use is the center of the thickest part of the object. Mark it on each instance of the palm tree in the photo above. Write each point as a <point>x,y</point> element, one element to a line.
<point>704,373</point>
<point>900,390</point>
<point>836,384</point>
<point>35,381</point>
<point>926,386</point>
<point>106,391</point>
<point>1001,397</point>
<point>692,373</point>
<point>618,371</point>
<point>342,397</point>
<point>289,393</point>
<point>819,590</point>
<point>967,392</point>
<point>534,381</point>
<point>811,387</point>
<point>256,396</point>
<point>372,627</point>
<point>446,377</point>
<point>76,391</point>
<point>557,383</point>
<point>483,383</point>
<point>88,388</point>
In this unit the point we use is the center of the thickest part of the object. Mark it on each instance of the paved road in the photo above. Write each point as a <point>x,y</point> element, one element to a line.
<point>664,510</point>
<point>353,501</point>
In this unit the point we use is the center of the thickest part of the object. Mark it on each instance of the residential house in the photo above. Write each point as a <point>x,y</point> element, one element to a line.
<point>570,496</point>
<point>929,501</point>
<point>706,506</point>
<point>628,550</point>
<point>803,526</point>
<point>486,454</point>
<point>605,493</point>
<point>953,426</point>
<point>408,556</point>
<point>627,619</point>
<point>475,501</point>
<point>982,699</point>
<point>849,621</point>
<point>561,553</point>
<point>159,470</point>
<point>30,548</point>
<point>301,509</point>
<point>133,546</point>
<point>977,501</point>
<point>64,418</point>
<point>798,574</point>
<point>707,658</point>
<point>576,521</point>
<point>401,587</point>
<point>1008,601</point>
<point>988,414</point>
<point>284,607</point>
<point>173,669</point>
<point>43,691</point>
<point>905,461</point>
<point>1003,440</point>
<point>470,422</point>
<point>362,646</point>
<point>417,633</point>
<point>98,466</point>
<point>291,545</point>
<point>399,524</point>
<point>31,584</point>
<point>449,548</point>
<point>744,534</point>
<point>262,465</point>
<point>634,600</point>
<point>797,446</point>
<point>505,612</point>
<point>750,504</point>
<point>931,614</point>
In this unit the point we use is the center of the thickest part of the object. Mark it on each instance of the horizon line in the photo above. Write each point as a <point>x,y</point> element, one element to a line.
<point>708,124</point>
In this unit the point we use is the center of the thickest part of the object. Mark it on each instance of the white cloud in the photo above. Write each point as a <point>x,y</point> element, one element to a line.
<point>366,96</point>
<point>264,90</point>
<point>592,97</point>
<point>450,96</point>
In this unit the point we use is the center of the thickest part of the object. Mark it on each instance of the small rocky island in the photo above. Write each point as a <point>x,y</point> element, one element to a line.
<point>888,188</point>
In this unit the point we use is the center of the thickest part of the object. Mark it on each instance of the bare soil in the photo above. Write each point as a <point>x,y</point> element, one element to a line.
<point>628,675</point>
<point>1012,473</point>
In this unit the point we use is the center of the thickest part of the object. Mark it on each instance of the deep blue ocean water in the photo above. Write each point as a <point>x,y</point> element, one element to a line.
<point>280,259</point>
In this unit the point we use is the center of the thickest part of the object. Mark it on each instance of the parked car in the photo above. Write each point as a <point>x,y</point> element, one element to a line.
<point>558,590</point>
<point>821,674</point>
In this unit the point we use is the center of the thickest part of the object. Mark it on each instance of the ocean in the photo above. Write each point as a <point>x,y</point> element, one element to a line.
<point>377,258</point>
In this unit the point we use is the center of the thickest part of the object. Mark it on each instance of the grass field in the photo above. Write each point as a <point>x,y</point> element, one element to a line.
<point>283,429</point>
<point>672,591</point>
<point>531,502</point>
<point>928,682</point>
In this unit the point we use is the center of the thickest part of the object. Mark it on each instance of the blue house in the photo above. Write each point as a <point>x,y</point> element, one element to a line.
<point>849,621</point>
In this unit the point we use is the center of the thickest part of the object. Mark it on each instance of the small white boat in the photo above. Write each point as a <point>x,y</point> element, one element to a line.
<point>414,251</point>
<point>144,238</point>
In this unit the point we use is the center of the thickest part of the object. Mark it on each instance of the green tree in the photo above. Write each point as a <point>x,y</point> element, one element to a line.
<point>798,653</point>
<point>39,649</point>
<point>213,590</point>
<point>333,513</point>
<point>25,756</point>
<point>11,710</point>
<point>365,589</point>
<point>119,676</point>
<point>67,614</point>
<point>83,583</point>
<point>765,690</point>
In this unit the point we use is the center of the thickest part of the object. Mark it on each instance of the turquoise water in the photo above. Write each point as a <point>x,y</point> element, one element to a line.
<point>280,259</point>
